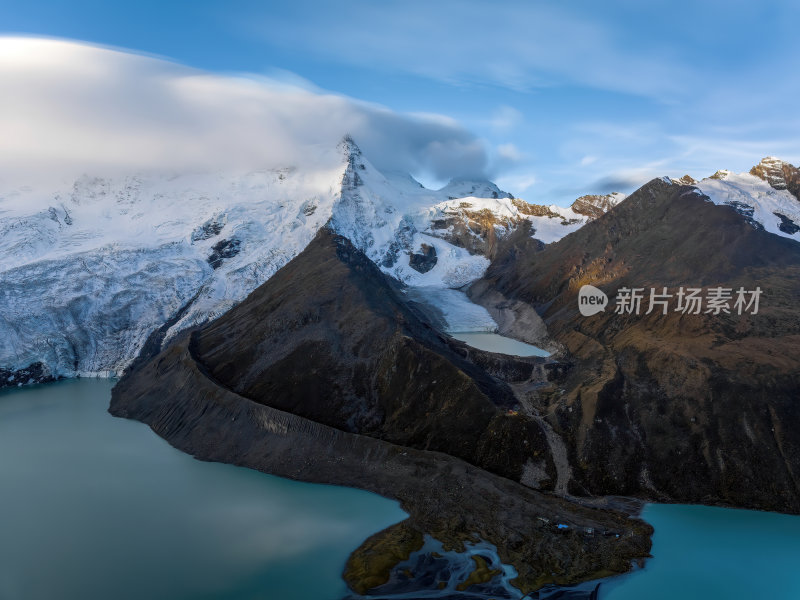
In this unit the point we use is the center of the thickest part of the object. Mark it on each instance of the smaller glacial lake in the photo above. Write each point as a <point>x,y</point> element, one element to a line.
<point>454,313</point>
<point>493,342</point>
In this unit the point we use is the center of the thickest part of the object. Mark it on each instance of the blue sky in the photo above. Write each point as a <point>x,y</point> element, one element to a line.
<point>565,98</point>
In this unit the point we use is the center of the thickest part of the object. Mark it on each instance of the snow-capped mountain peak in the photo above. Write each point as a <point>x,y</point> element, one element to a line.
<point>766,196</point>
<point>444,237</point>
<point>94,267</point>
<point>388,218</point>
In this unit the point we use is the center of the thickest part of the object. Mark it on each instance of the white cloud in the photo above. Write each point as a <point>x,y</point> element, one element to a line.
<point>66,106</point>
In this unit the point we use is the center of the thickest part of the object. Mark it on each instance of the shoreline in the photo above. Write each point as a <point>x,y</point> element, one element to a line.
<point>445,497</point>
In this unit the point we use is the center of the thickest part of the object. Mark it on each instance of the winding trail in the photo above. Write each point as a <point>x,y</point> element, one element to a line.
<point>558,448</point>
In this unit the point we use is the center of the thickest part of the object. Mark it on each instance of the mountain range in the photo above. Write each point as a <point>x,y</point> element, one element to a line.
<point>94,268</point>
<point>300,324</point>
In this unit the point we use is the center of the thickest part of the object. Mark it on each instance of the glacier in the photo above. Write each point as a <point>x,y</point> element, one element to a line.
<point>755,199</point>
<point>95,267</point>
<point>92,269</point>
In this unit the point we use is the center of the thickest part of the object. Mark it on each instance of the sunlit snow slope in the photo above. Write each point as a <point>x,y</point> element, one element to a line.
<point>776,210</point>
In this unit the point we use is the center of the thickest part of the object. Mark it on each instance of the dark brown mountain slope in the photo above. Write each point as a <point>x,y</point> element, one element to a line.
<point>325,352</point>
<point>328,338</point>
<point>700,408</point>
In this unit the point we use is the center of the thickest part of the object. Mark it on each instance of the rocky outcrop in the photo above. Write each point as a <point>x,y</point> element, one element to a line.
<point>779,174</point>
<point>535,210</point>
<point>676,407</point>
<point>476,230</point>
<point>686,180</point>
<point>33,373</point>
<point>222,250</point>
<point>786,225</point>
<point>595,206</point>
<point>424,260</point>
<point>324,374</point>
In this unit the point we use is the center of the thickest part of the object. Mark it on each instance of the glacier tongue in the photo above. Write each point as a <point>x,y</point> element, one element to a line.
<point>90,313</point>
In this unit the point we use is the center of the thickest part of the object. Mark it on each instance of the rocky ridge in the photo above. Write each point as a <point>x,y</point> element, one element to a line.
<point>779,174</point>
<point>676,407</point>
<point>323,373</point>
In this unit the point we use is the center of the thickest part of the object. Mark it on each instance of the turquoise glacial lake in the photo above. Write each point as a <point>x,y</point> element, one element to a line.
<point>493,342</point>
<point>708,553</point>
<point>97,507</point>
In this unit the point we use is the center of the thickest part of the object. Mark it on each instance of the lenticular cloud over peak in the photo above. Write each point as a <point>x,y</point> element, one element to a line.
<point>67,106</point>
